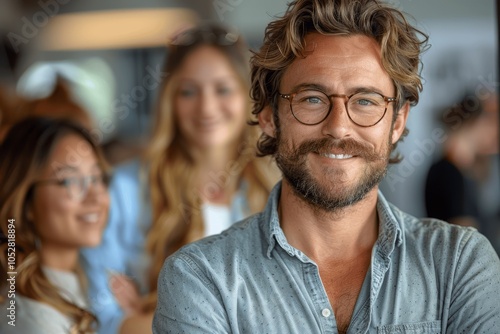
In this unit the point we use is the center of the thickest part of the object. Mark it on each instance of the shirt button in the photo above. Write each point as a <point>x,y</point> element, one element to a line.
<point>326,312</point>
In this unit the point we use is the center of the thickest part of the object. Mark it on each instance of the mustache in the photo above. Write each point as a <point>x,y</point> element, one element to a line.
<point>347,146</point>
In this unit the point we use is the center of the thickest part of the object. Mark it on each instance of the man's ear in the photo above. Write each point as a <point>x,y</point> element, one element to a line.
<point>400,122</point>
<point>266,121</point>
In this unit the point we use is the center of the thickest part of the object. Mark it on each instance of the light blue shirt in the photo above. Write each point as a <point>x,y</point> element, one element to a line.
<point>426,276</point>
<point>122,249</point>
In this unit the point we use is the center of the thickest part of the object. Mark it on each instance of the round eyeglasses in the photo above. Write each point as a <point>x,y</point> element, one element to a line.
<point>311,106</point>
<point>78,186</point>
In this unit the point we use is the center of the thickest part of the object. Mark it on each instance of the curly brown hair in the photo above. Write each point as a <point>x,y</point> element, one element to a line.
<point>401,46</point>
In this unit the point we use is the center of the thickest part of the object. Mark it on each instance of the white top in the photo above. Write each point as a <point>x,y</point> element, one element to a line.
<point>217,218</point>
<point>33,317</point>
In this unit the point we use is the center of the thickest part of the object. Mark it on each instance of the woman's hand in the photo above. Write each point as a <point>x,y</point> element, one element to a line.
<point>126,293</point>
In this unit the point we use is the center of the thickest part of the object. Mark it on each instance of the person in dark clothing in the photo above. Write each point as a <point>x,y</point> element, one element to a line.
<point>463,186</point>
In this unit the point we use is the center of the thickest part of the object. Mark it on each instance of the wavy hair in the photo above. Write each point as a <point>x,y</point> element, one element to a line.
<point>25,153</point>
<point>399,41</point>
<point>174,194</point>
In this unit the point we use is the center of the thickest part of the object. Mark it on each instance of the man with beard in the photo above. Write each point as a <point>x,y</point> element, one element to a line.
<point>332,86</point>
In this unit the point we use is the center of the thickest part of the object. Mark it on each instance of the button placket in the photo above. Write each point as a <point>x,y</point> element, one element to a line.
<point>319,298</point>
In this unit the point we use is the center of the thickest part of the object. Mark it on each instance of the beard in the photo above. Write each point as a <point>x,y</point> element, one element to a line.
<point>335,193</point>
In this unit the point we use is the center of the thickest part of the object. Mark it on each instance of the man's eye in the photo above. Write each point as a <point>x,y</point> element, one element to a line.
<point>310,100</point>
<point>313,100</point>
<point>364,102</point>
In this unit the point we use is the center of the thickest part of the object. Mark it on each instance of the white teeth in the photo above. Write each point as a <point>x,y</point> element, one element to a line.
<point>91,218</point>
<point>337,156</point>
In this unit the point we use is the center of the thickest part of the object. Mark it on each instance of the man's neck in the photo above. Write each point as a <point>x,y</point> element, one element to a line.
<point>326,237</point>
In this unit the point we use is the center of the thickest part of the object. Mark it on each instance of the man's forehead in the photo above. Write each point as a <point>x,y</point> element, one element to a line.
<point>339,60</point>
<point>317,44</point>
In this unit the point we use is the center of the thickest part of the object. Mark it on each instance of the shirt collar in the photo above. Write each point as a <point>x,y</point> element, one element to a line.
<point>390,224</point>
<point>390,234</point>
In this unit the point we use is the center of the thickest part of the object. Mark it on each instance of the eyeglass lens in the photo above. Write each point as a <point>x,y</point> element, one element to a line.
<point>78,187</point>
<point>312,107</point>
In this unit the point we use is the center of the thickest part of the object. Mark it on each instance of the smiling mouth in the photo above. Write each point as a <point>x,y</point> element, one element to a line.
<point>337,156</point>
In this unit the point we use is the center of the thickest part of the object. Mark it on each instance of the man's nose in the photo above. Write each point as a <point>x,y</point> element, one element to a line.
<point>338,124</point>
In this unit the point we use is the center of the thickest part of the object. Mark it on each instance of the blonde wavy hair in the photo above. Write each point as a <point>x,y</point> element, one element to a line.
<point>400,44</point>
<point>24,153</point>
<point>174,194</point>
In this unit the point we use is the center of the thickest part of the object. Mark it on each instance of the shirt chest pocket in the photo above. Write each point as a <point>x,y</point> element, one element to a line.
<point>430,327</point>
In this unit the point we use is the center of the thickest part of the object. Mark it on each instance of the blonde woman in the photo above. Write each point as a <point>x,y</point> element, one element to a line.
<point>199,176</point>
<point>54,201</point>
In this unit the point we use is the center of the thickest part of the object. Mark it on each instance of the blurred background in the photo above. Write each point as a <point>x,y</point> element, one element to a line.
<point>109,55</point>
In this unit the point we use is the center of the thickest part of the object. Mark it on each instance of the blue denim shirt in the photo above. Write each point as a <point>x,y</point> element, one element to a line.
<point>426,276</point>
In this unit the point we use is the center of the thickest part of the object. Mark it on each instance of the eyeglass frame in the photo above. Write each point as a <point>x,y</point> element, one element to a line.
<point>87,181</point>
<point>290,96</point>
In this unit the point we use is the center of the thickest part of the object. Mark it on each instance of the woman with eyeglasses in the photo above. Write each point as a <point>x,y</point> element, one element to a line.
<point>199,176</point>
<point>53,201</point>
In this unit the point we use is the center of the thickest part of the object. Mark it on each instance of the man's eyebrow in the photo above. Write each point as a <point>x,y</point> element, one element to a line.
<point>353,90</point>
<point>367,89</point>
<point>309,85</point>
